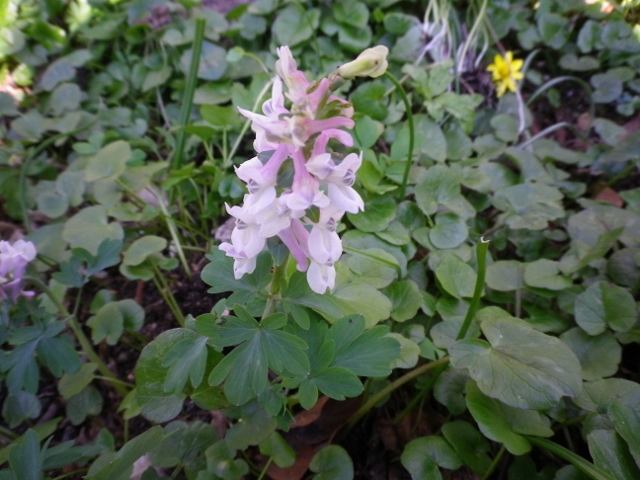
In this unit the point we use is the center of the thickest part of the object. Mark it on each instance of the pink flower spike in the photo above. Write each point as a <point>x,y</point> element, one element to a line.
<point>289,239</point>
<point>317,126</point>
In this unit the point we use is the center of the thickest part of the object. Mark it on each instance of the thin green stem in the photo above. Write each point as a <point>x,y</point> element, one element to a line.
<point>5,432</point>
<point>364,409</point>
<point>121,382</point>
<point>549,130</point>
<point>84,342</point>
<point>167,294</point>
<point>421,394</point>
<point>494,463</point>
<point>407,106</point>
<point>187,98</point>
<point>481,255</point>
<point>577,461</point>
<point>272,300</point>
<point>73,474</point>
<point>266,467</point>
<point>567,78</point>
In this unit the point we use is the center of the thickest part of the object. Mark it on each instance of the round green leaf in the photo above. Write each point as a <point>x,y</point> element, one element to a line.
<point>109,162</point>
<point>545,273</point>
<point>604,304</point>
<point>142,248</point>
<point>332,463</point>
<point>89,227</point>
<point>377,215</point>
<point>538,369</point>
<point>505,424</point>
<point>422,457</point>
<point>599,355</point>
<point>449,232</point>
<point>505,275</point>
<point>456,277</point>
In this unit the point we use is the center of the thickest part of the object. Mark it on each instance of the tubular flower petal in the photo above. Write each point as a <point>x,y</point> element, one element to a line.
<point>13,263</point>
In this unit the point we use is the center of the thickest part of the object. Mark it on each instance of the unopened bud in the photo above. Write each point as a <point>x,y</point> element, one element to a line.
<point>370,63</point>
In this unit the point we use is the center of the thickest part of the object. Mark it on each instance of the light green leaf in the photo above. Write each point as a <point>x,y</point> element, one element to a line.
<point>142,248</point>
<point>449,231</point>
<point>71,384</point>
<point>422,457</point>
<point>539,369</point>
<point>611,454</point>
<point>332,463</point>
<point>89,227</point>
<point>599,395</point>
<point>456,277</point>
<point>627,422</point>
<point>186,359</point>
<point>469,444</point>
<point>604,304</point>
<point>276,447</point>
<point>377,216</point>
<point>157,404</point>
<point>599,355</point>
<point>505,275</point>
<point>109,162</point>
<point>409,352</point>
<point>505,424</point>
<point>406,299</point>
<point>545,273</point>
<point>295,24</point>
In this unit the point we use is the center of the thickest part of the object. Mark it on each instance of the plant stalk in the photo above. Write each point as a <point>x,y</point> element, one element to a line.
<point>84,342</point>
<point>364,409</point>
<point>407,106</point>
<point>481,255</point>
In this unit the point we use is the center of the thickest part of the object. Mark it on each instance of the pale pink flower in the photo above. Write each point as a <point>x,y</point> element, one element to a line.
<point>340,179</point>
<point>13,263</point>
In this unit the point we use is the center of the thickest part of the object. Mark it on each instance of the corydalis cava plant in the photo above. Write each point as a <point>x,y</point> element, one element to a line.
<point>306,213</point>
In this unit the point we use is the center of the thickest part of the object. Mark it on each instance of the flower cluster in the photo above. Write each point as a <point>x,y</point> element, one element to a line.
<point>305,212</point>
<point>13,263</point>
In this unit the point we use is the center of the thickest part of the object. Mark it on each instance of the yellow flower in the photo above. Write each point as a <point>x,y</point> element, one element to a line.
<point>505,72</point>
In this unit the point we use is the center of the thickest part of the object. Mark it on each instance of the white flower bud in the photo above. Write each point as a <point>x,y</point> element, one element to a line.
<point>370,63</point>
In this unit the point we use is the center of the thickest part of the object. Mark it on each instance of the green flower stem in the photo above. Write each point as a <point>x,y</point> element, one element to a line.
<point>421,394</point>
<point>187,99</point>
<point>481,255</point>
<point>5,432</point>
<point>274,289</point>
<point>369,404</point>
<point>577,461</point>
<point>407,106</point>
<point>549,130</point>
<point>266,467</point>
<point>84,342</point>
<point>567,78</point>
<point>121,382</point>
<point>167,294</point>
<point>494,464</point>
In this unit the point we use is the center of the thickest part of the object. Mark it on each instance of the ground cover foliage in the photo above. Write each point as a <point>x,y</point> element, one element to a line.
<point>132,350</point>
